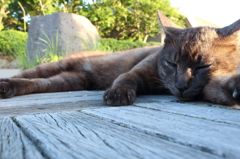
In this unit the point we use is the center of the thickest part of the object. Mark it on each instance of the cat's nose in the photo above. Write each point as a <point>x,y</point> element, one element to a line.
<point>181,86</point>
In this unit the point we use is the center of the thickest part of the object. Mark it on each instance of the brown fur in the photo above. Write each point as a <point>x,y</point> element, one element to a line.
<point>194,63</point>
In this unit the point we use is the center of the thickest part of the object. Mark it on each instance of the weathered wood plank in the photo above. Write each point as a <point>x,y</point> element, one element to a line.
<point>13,143</point>
<point>231,116</point>
<point>50,102</point>
<point>50,108</point>
<point>50,98</point>
<point>77,135</point>
<point>213,137</point>
<point>171,98</point>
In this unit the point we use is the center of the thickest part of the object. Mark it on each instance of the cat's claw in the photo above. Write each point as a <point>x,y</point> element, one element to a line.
<point>234,82</point>
<point>236,94</point>
<point>119,96</point>
<point>236,90</point>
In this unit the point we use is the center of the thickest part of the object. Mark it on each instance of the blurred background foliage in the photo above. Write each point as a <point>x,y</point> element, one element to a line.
<point>122,24</point>
<point>118,19</point>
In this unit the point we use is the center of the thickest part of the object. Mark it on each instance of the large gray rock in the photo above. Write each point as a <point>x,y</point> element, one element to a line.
<point>3,63</point>
<point>73,33</point>
<point>7,63</point>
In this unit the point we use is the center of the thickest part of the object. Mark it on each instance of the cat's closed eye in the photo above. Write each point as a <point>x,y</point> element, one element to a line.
<point>206,66</point>
<point>202,68</point>
<point>171,64</point>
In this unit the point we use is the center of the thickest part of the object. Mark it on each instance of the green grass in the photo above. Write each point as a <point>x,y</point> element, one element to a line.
<point>51,54</point>
<point>17,46</point>
<point>121,45</point>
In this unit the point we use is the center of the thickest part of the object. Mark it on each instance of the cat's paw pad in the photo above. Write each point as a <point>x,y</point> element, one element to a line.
<point>6,88</point>
<point>119,96</point>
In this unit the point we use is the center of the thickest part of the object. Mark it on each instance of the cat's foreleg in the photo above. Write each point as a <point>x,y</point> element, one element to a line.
<point>223,90</point>
<point>140,79</point>
<point>123,90</point>
<point>66,81</point>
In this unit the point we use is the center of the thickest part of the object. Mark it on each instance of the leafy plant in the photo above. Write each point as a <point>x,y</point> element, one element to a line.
<point>121,45</point>
<point>14,19</point>
<point>129,19</point>
<point>3,11</point>
<point>118,19</point>
<point>51,51</point>
<point>14,43</point>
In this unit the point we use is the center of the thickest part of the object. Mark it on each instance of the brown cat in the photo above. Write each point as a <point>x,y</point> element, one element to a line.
<point>194,63</point>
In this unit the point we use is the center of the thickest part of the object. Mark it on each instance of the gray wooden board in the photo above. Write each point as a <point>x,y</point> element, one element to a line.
<point>50,98</point>
<point>13,143</point>
<point>77,135</point>
<point>51,108</point>
<point>223,114</point>
<point>217,138</point>
<point>50,102</point>
<point>154,126</point>
<point>171,98</point>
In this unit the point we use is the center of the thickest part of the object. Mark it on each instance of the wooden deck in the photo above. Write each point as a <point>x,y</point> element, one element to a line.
<point>73,125</point>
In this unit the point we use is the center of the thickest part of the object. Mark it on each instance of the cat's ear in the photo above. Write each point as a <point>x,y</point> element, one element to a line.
<point>166,24</point>
<point>230,30</point>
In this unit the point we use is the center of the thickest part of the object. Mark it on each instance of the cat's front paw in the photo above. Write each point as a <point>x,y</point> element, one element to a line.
<point>236,96</point>
<point>234,87</point>
<point>224,90</point>
<point>7,88</point>
<point>119,96</point>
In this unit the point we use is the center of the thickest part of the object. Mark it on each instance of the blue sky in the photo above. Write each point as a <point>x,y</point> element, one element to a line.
<point>220,12</point>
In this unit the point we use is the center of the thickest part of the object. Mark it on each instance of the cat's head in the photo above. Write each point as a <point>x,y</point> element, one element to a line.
<point>190,57</point>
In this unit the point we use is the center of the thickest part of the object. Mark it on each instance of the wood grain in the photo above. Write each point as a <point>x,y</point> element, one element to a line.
<point>199,110</point>
<point>214,137</point>
<point>50,98</point>
<point>50,102</point>
<point>14,144</point>
<point>77,135</point>
<point>79,125</point>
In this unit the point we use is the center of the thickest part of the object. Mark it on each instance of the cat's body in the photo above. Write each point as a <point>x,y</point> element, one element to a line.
<point>195,63</point>
<point>96,69</point>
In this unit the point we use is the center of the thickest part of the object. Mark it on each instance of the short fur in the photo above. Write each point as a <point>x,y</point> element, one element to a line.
<point>194,63</point>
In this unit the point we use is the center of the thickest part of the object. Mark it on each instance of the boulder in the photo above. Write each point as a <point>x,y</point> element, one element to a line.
<point>3,63</point>
<point>13,64</point>
<point>8,63</point>
<point>64,33</point>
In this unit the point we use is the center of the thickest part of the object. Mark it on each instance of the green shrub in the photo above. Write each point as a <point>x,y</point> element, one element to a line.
<point>120,45</point>
<point>12,42</point>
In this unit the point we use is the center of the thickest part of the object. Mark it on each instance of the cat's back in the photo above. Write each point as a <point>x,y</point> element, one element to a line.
<point>83,54</point>
<point>130,55</point>
<point>104,67</point>
<point>121,61</point>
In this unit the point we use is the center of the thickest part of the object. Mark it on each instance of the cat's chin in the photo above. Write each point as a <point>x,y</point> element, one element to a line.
<point>188,98</point>
<point>190,95</point>
<point>185,99</point>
